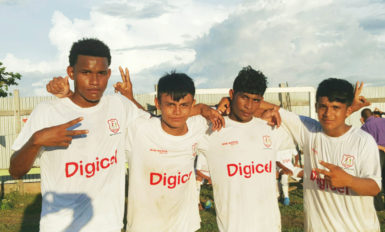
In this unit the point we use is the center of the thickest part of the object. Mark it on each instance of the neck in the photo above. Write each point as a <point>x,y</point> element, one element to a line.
<point>338,131</point>
<point>234,117</point>
<point>175,131</point>
<point>80,101</point>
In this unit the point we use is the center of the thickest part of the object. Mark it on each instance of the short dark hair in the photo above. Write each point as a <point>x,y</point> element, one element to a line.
<point>177,85</point>
<point>89,47</point>
<point>250,81</point>
<point>366,113</point>
<point>335,89</point>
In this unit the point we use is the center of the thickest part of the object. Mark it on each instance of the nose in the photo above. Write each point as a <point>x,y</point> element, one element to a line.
<point>248,104</point>
<point>327,112</point>
<point>177,110</point>
<point>94,80</point>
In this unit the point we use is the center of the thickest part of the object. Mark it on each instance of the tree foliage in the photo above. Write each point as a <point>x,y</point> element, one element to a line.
<point>7,79</point>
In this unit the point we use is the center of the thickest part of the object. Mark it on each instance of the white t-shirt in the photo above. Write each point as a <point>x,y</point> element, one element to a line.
<point>201,165</point>
<point>162,186</point>
<point>83,185</point>
<point>285,157</point>
<point>328,208</point>
<point>241,158</point>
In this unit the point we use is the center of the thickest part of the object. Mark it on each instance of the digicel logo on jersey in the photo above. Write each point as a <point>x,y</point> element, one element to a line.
<point>72,168</point>
<point>169,181</point>
<point>248,170</point>
<point>323,185</point>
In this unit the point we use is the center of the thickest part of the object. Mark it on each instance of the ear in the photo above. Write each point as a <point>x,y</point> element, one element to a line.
<point>349,111</point>
<point>193,103</point>
<point>316,107</point>
<point>157,103</point>
<point>70,72</point>
<point>231,94</point>
<point>109,73</point>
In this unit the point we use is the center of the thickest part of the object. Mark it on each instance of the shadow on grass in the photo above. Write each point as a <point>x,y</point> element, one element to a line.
<point>31,216</point>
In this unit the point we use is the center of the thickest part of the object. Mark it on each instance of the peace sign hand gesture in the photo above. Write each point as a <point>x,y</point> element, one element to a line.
<point>359,101</point>
<point>125,87</point>
<point>57,136</point>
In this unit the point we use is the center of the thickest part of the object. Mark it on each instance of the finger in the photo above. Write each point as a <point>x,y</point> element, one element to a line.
<point>322,171</point>
<point>76,132</point>
<point>128,78</point>
<point>227,110</point>
<point>215,124</point>
<point>48,88</point>
<point>221,121</point>
<point>122,73</point>
<point>326,165</point>
<point>358,89</point>
<point>364,101</point>
<point>72,122</point>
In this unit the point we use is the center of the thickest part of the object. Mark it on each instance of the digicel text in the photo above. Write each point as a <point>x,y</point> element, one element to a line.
<point>248,170</point>
<point>91,168</point>
<point>169,181</point>
<point>323,185</point>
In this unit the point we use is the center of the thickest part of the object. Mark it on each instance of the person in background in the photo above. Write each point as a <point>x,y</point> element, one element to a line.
<point>375,126</point>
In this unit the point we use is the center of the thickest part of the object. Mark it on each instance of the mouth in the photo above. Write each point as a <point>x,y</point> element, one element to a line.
<point>246,114</point>
<point>93,91</point>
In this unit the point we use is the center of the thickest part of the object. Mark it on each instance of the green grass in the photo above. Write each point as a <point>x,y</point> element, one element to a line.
<point>21,213</point>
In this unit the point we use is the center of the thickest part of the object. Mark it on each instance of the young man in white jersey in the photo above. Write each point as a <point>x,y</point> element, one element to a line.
<point>162,187</point>
<point>241,159</point>
<point>342,169</point>
<point>80,141</point>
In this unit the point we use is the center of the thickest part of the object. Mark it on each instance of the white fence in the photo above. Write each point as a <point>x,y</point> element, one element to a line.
<point>14,111</point>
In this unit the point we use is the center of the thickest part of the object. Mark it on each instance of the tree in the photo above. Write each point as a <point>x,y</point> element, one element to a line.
<point>7,79</point>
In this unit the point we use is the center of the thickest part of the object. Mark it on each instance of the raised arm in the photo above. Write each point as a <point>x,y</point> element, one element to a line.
<point>56,136</point>
<point>125,87</point>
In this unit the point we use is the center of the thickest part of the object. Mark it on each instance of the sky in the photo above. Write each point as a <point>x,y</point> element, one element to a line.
<point>299,42</point>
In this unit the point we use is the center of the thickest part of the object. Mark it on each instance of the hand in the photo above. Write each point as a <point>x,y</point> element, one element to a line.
<point>272,116</point>
<point>224,106</point>
<point>59,87</point>
<point>125,87</point>
<point>335,177</point>
<point>209,180</point>
<point>57,136</point>
<point>359,101</point>
<point>214,117</point>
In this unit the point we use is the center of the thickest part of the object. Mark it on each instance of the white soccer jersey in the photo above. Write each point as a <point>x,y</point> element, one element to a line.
<point>328,208</point>
<point>201,165</point>
<point>83,185</point>
<point>241,159</point>
<point>285,157</point>
<point>162,186</point>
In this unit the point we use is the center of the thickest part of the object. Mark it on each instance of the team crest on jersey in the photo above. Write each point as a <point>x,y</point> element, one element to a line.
<point>347,161</point>
<point>267,141</point>
<point>113,124</point>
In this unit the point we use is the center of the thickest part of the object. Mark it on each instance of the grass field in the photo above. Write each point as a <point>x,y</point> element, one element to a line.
<point>21,213</point>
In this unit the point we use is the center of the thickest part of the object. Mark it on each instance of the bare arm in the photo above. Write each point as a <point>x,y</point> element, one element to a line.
<point>203,176</point>
<point>56,136</point>
<point>339,178</point>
